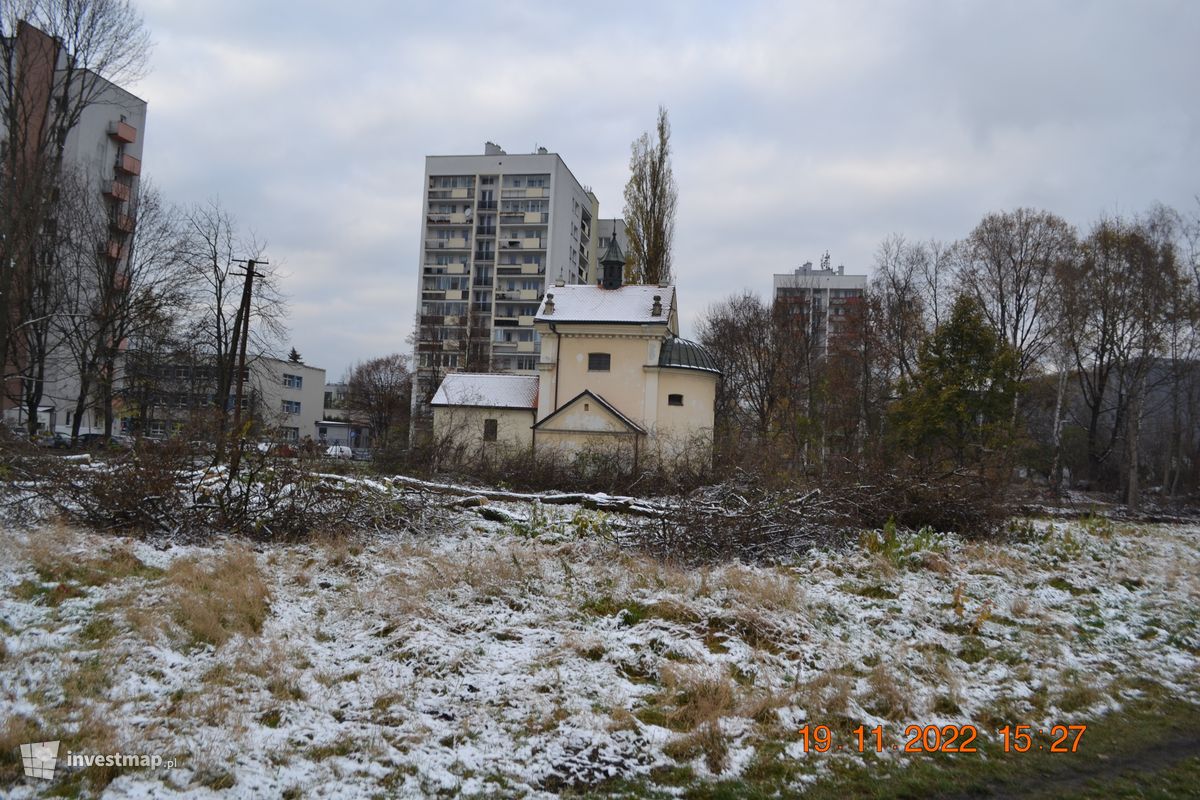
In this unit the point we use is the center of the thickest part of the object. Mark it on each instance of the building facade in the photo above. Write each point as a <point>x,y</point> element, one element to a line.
<point>825,300</point>
<point>338,426</point>
<point>161,396</point>
<point>494,229</point>
<point>292,397</point>
<point>102,158</point>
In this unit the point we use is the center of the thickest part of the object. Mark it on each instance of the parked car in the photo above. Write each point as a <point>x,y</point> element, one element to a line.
<point>339,451</point>
<point>55,441</point>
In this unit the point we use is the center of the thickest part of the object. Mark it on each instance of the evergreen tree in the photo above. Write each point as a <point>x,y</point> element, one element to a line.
<point>958,405</point>
<point>295,357</point>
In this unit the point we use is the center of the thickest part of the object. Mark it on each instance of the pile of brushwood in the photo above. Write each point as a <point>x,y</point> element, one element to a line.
<point>172,488</point>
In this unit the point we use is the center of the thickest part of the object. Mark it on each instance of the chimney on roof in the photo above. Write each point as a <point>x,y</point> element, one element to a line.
<point>493,149</point>
<point>656,309</point>
<point>549,307</point>
<point>541,151</point>
<point>841,269</point>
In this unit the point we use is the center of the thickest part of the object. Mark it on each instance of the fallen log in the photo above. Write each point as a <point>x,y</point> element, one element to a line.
<point>595,502</point>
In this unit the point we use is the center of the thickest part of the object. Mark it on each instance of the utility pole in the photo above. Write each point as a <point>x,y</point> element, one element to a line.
<point>243,318</point>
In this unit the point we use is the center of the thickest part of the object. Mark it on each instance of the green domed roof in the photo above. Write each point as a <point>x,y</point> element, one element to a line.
<point>684,354</point>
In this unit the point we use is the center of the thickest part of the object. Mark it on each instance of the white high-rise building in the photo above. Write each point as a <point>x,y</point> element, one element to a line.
<point>495,229</point>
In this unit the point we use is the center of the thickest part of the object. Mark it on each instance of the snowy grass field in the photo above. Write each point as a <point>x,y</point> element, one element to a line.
<point>535,659</point>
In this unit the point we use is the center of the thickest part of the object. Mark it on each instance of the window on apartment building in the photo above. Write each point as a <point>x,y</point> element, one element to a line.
<point>674,399</point>
<point>291,406</point>
<point>290,434</point>
<point>526,362</point>
<point>293,381</point>
<point>490,428</point>
<point>599,362</point>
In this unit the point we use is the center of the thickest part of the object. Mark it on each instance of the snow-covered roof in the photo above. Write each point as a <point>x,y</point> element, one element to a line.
<point>487,390</point>
<point>585,303</point>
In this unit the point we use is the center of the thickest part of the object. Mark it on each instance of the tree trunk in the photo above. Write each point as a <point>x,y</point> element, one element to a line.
<point>1056,466</point>
<point>85,387</point>
<point>1133,446</point>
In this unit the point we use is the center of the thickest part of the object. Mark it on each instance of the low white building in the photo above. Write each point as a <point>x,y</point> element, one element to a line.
<point>291,395</point>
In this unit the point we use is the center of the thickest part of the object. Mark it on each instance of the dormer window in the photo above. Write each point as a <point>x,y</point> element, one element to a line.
<point>599,362</point>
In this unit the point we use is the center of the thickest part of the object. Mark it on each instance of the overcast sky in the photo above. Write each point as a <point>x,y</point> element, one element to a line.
<point>796,127</point>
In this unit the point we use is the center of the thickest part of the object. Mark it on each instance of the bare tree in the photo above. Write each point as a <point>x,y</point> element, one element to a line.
<point>1007,267</point>
<point>900,270</point>
<point>212,251</point>
<point>650,200</point>
<point>380,391</point>
<point>1114,300</point>
<point>737,333</point>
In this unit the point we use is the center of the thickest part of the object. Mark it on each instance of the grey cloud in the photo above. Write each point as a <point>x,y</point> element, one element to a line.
<point>797,127</point>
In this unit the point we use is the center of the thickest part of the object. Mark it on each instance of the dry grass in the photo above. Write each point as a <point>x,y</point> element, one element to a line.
<point>889,695</point>
<point>706,740</point>
<point>218,599</point>
<point>55,556</point>
<point>1077,693</point>
<point>340,552</point>
<point>761,708</point>
<point>90,680</point>
<point>758,589</point>
<point>15,732</point>
<point>503,571</point>
<point>950,681</point>
<point>826,695</point>
<point>984,557</point>
<point>699,697</point>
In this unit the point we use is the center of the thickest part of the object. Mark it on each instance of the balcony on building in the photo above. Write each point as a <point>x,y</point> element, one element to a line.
<point>122,223</point>
<point>448,219</point>
<point>129,165</point>
<point>112,249</point>
<point>447,244</point>
<point>123,132</point>
<point>117,190</point>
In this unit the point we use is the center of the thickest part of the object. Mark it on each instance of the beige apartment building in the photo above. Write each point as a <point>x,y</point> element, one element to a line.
<point>612,374</point>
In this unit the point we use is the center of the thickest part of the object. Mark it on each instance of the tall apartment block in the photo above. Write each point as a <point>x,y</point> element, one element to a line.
<point>104,151</point>
<point>495,228</point>
<point>827,299</point>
